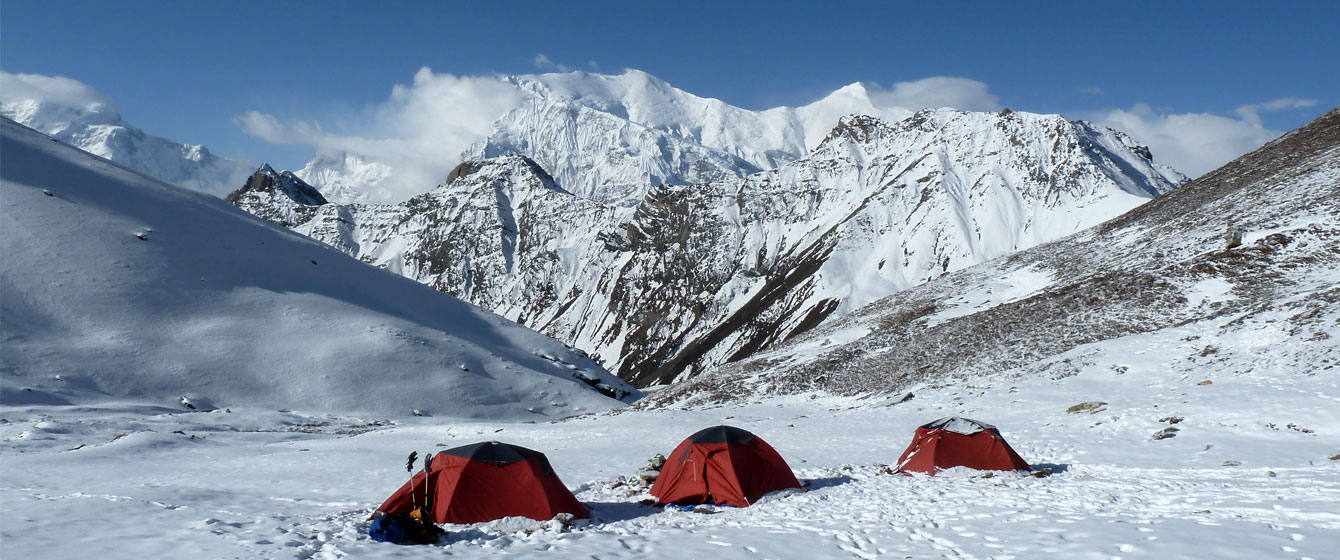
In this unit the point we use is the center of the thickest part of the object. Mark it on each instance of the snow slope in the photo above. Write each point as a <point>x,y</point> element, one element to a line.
<point>75,114</point>
<point>694,276</point>
<point>118,287</point>
<point>1235,482</point>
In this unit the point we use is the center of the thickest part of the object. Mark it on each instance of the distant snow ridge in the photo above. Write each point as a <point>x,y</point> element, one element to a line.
<point>347,177</point>
<point>696,275</point>
<point>118,288</point>
<point>611,137</point>
<point>92,123</point>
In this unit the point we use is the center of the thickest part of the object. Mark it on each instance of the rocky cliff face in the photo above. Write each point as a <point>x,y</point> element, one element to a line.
<point>693,276</point>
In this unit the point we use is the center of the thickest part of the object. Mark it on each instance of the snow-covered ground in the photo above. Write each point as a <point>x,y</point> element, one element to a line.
<point>1252,472</point>
<point>120,288</point>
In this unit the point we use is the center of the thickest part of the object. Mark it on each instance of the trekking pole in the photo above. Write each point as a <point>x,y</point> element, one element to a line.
<point>427,489</point>
<point>409,468</point>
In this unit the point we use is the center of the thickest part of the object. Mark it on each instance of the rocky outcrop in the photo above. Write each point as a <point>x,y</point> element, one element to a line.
<point>281,198</point>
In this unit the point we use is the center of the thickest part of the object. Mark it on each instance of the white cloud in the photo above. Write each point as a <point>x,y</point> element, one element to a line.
<point>1288,103</point>
<point>935,92</point>
<point>268,128</point>
<point>1252,113</point>
<point>543,63</point>
<point>52,95</point>
<point>1092,90</point>
<point>419,132</point>
<point>1193,143</point>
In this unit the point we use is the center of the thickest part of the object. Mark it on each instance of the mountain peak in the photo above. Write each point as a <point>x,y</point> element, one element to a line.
<point>859,128</point>
<point>502,166</point>
<point>281,195</point>
<point>699,273</point>
<point>854,89</point>
<point>1144,276</point>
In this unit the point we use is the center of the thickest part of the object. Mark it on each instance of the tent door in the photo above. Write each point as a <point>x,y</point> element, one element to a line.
<point>702,471</point>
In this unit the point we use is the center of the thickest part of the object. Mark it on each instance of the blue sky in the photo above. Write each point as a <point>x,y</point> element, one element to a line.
<point>186,70</point>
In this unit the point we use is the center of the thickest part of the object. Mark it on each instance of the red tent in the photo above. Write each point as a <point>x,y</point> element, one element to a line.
<point>959,442</point>
<point>722,465</point>
<point>487,481</point>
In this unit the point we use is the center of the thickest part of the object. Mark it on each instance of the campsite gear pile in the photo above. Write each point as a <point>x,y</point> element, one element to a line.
<point>412,526</point>
<point>715,467</point>
<point>403,529</point>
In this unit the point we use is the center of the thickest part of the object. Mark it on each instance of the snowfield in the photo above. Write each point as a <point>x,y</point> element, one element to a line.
<point>1234,482</point>
<point>120,288</point>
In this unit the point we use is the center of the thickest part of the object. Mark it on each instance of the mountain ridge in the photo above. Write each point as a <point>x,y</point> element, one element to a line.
<point>1164,270</point>
<point>618,135</point>
<point>697,275</point>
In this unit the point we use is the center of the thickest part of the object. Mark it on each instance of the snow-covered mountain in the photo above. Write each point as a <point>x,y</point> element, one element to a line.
<point>694,276</point>
<point>612,137</point>
<point>348,178</point>
<point>1162,279</point>
<point>118,287</point>
<point>92,123</point>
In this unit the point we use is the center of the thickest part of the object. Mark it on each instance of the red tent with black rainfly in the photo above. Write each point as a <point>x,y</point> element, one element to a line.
<point>487,481</point>
<point>959,442</point>
<point>722,465</point>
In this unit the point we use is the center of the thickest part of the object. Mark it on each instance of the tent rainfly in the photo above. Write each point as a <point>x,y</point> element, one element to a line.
<point>959,442</point>
<point>487,481</point>
<point>722,465</point>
